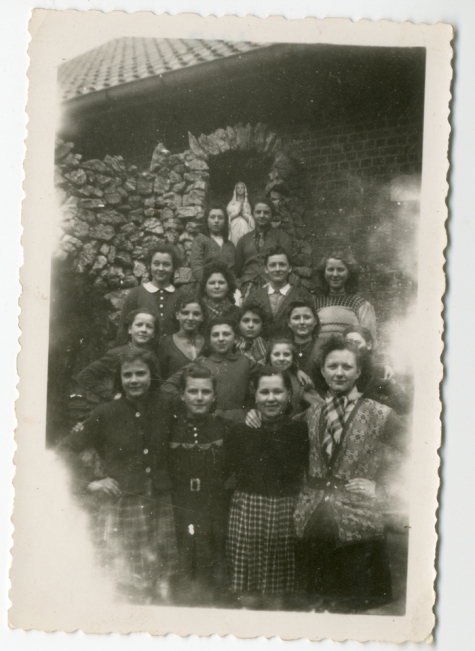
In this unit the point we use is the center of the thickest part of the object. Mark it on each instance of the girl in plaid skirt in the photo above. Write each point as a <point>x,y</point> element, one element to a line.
<point>133,527</point>
<point>269,464</point>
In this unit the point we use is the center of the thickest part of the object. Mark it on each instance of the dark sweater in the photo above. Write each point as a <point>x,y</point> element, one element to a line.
<point>140,297</point>
<point>172,359</point>
<point>130,440</point>
<point>269,461</point>
<point>250,261</point>
<point>196,451</point>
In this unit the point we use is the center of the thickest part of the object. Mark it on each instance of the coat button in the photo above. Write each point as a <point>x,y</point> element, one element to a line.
<point>137,415</point>
<point>328,483</point>
<point>145,451</point>
<point>148,470</point>
<point>326,498</point>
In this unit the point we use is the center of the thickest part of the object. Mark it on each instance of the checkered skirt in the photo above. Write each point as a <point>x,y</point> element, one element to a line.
<point>136,541</point>
<point>260,543</point>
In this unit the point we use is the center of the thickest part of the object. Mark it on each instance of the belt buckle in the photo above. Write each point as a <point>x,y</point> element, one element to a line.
<point>195,485</point>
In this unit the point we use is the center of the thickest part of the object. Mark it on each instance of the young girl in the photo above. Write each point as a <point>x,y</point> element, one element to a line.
<point>213,245</point>
<point>282,355</point>
<point>217,290</point>
<point>303,323</point>
<point>185,345</point>
<point>134,524</point>
<point>230,369</point>
<point>196,462</point>
<point>158,295</point>
<point>139,329</point>
<point>251,326</point>
<point>269,464</point>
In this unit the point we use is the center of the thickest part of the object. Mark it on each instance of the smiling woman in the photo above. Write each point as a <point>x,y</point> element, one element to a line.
<point>342,555</point>
<point>340,305</point>
<point>133,517</point>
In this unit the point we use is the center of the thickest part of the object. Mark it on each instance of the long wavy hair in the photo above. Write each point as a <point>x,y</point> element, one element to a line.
<point>351,285</point>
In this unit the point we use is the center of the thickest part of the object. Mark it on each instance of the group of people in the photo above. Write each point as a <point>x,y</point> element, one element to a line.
<point>244,434</point>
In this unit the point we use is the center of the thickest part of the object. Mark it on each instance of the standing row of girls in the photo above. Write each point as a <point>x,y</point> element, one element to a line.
<point>192,508</point>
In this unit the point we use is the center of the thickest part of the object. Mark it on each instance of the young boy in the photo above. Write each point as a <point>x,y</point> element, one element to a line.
<point>231,370</point>
<point>278,294</point>
<point>197,471</point>
<point>251,325</point>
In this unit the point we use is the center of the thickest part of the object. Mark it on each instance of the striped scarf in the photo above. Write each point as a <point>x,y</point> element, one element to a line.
<point>334,415</point>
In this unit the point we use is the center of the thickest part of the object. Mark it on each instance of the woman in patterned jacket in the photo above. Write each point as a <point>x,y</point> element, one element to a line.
<point>355,443</point>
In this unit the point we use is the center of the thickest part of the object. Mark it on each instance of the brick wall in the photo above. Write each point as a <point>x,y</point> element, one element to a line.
<point>351,167</point>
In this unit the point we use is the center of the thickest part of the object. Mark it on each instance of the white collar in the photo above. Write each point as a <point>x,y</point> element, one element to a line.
<point>150,287</point>
<point>283,290</point>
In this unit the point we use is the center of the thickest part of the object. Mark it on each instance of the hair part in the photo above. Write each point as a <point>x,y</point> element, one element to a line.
<point>164,248</point>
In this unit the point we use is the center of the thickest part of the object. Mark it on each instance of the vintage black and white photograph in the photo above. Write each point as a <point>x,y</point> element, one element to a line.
<point>234,291</point>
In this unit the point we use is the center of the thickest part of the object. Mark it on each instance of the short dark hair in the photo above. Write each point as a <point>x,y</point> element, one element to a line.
<point>218,268</point>
<point>216,205</point>
<point>164,248</point>
<point>303,303</point>
<point>338,342</point>
<point>222,320</point>
<point>133,355</point>
<point>198,372</point>
<point>351,285</point>
<point>252,305</point>
<point>271,371</point>
<point>186,298</point>
<point>288,342</point>
<point>266,201</point>
<point>362,330</point>
<point>277,250</point>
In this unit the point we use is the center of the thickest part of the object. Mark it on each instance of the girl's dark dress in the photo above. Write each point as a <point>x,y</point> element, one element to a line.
<point>172,359</point>
<point>196,462</point>
<point>269,464</point>
<point>134,533</point>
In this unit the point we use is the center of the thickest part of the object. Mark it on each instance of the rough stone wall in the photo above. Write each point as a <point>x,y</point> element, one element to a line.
<point>114,213</point>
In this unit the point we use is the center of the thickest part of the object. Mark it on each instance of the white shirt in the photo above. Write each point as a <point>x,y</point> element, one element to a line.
<point>283,290</point>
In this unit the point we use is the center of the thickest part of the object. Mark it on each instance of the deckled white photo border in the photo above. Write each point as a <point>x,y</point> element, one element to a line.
<point>40,600</point>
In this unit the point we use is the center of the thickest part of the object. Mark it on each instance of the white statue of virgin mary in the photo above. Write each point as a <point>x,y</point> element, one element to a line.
<point>239,214</point>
